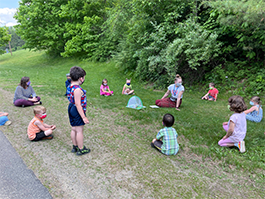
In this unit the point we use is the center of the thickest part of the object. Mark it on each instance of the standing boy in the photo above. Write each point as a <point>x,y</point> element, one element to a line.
<point>67,82</point>
<point>166,139</point>
<point>77,109</point>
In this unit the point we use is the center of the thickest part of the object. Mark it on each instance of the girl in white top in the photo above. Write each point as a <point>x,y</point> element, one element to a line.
<point>236,127</point>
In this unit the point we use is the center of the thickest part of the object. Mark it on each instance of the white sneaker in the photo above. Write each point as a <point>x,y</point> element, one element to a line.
<point>8,123</point>
<point>241,146</point>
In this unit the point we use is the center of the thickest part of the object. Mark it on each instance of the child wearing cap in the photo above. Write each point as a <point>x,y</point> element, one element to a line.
<point>67,82</point>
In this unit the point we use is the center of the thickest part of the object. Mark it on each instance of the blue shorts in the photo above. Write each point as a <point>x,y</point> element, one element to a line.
<point>74,117</point>
<point>211,97</point>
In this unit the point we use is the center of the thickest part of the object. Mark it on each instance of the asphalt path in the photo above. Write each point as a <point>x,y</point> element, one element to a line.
<point>16,180</point>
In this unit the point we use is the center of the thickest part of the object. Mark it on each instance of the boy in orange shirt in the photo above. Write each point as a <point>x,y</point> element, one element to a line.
<point>212,93</point>
<point>37,129</point>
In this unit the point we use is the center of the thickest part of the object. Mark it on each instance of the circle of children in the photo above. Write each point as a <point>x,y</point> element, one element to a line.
<point>166,139</point>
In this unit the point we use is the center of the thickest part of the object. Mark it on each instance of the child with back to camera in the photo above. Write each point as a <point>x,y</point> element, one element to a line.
<point>255,113</point>
<point>77,109</point>
<point>37,129</point>
<point>166,139</point>
<point>212,93</point>
<point>67,82</point>
<point>236,127</point>
<point>127,88</point>
<point>104,88</point>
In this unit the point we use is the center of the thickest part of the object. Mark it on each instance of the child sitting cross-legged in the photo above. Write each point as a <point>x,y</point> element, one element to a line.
<point>255,113</point>
<point>37,129</point>
<point>212,93</point>
<point>166,139</point>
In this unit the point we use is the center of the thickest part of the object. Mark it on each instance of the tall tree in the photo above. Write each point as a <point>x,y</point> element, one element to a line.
<point>5,37</point>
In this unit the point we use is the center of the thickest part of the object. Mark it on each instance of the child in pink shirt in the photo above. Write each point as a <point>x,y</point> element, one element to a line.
<point>104,88</point>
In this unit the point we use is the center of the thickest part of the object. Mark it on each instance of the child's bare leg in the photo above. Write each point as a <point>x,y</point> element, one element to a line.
<point>130,92</point>
<point>79,136</point>
<point>73,136</point>
<point>210,99</point>
<point>153,140</point>
<point>48,132</point>
<point>204,97</point>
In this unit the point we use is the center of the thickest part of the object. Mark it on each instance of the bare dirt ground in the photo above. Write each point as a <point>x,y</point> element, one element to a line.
<point>119,166</point>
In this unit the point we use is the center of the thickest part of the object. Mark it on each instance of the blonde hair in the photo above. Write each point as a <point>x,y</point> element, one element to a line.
<point>39,109</point>
<point>257,100</point>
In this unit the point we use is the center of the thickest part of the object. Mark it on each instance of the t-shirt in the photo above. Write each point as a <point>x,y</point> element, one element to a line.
<point>33,129</point>
<point>170,144</point>
<point>240,129</point>
<point>22,93</point>
<point>175,91</point>
<point>105,88</point>
<point>213,92</point>
<point>70,95</point>
<point>256,116</point>
<point>126,86</point>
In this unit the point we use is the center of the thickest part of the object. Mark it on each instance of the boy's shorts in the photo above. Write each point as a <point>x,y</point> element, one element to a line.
<point>74,116</point>
<point>211,97</point>
<point>39,136</point>
<point>157,145</point>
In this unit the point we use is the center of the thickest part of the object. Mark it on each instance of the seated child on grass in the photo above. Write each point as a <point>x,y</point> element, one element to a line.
<point>255,113</point>
<point>127,88</point>
<point>212,93</point>
<point>166,139</point>
<point>104,88</point>
<point>37,129</point>
<point>236,127</point>
<point>67,82</point>
<point>4,119</point>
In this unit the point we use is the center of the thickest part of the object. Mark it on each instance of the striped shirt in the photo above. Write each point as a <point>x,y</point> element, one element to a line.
<point>70,95</point>
<point>170,144</point>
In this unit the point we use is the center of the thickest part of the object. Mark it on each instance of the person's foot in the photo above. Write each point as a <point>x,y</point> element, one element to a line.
<point>241,146</point>
<point>49,137</point>
<point>8,123</point>
<point>82,151</point>
<point>74,149</point>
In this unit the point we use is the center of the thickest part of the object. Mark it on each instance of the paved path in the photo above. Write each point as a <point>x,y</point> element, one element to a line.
<point>16,180</point>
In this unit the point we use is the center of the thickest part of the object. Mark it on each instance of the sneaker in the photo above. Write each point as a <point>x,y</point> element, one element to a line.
<point>82,151</point>
<point>8,123</point>
<point>74,149</point>
<point>241,146</point>
<point>48,137</point>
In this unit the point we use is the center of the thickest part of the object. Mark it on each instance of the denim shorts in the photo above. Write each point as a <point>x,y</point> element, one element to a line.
<point>211,97</point>
<point>74,116</point>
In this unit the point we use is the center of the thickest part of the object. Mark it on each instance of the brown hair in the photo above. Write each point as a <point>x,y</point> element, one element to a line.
<point>76,72</point>
<point>212,84</point>
<point>178,77</point>
<point>255,99</point>
<point>104,81</point>
<point>237,104</point>
<point>39,109</point>
<point>23,82</point>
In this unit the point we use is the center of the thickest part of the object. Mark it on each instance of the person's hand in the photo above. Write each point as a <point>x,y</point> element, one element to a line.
<point>225,137</point>
<point>5,114</point>
<point>225,123</point>
<point>53,127</point>
<point>85,120</point>
<point>177,109</point>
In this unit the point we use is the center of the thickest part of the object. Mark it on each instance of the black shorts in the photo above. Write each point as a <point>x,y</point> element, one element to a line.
<point>157,145</point>
<point>74,116</point>
<point>39,136</point>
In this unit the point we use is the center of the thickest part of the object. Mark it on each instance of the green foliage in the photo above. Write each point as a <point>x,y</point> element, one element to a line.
<point>4,38</point>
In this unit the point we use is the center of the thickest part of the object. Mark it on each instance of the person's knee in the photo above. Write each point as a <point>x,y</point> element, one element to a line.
<point>48,132</point>
<point>158,102</point>
<point>220,143</point>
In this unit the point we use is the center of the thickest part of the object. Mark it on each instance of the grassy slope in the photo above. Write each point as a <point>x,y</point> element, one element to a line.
<point>198,125</point>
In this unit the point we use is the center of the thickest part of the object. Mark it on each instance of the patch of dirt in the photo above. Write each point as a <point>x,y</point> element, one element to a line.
<point>121,163</point>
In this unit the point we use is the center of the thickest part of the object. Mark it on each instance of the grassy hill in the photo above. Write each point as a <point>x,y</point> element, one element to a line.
<point>122,164</point>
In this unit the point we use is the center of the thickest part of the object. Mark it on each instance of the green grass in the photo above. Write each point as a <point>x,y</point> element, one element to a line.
<point>199,123</point>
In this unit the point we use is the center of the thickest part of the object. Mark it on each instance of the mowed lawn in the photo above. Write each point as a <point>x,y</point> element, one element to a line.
<point>202,169</point>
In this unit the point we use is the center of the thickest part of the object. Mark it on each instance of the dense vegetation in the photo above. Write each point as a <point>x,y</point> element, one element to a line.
<point>4,38</point>
<point>212,40</point>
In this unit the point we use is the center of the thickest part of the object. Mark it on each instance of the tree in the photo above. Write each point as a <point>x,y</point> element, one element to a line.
<point>4,37</point>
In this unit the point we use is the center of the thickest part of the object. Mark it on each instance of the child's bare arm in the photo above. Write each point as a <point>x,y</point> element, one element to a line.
<point>41,126</point>
<point>123,90</point>
<point>77,96</point>
<point>3,114</point>
<point>253,108</point>
<point>230,129</point>
<point>216,98</point>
